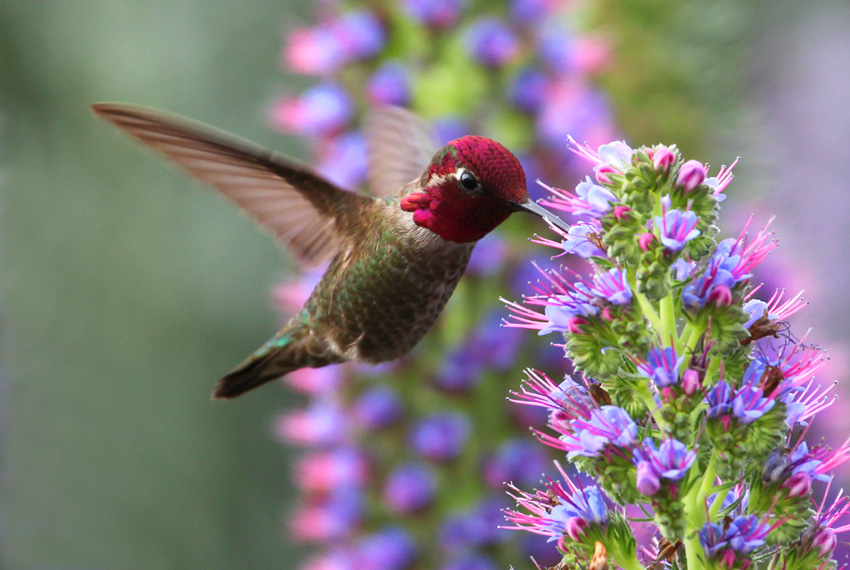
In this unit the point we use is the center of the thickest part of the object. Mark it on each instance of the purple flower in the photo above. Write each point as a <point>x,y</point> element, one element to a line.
<point>491,42</point>
<point>361,34</point>
<point>460,371</point>
<point>388,549</point>
<point>756,309</point>
<point>488,256</point>
<point>410,487</point>
<point>677,228</point>
<point>578,243</point>
<point>434,13</point>
<point>613,285</point>
<point>334,517</point>
<point>742,535</point>
<point>314,51</point>
<point>670,460</point>
<point>377,408</point>
<point>471,562</point>
<point>683,268</point>
<point>440,436</point>
<point>390,85</point>
<point>648,478</point>
<point>517,461</point>
<point>608,425</point>
<point>557,48</point>
<point>662,366</point>
<point>598,198</point>
<point>322,423</point>
<point>577,509</point>
<point>528,89</point>
<point>529,11</point>
<point>344,161</point>
<point>474,527</point>
<point>691,175</point>
<point>749,404</point>
<point>321,110</point>
<point>447,129</point>
<point>719,400</point>
<point>322,472</point>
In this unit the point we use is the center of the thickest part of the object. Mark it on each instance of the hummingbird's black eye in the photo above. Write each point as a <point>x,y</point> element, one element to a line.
<point>468,181</point>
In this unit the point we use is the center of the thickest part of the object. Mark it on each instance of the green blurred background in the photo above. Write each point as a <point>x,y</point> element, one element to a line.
<point>127,289</point>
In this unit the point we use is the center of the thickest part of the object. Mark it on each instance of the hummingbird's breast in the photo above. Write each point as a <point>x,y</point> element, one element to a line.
<point>384,290</point>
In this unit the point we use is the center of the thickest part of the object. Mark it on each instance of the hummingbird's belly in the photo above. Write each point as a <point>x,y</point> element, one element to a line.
<point>384,304</point>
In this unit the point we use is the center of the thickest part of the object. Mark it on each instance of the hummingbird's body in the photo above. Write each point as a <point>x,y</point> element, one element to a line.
<point>375,302</point>
<point>395,258</point>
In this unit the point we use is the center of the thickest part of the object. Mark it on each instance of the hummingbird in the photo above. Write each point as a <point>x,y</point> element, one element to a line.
<point>395,256</point>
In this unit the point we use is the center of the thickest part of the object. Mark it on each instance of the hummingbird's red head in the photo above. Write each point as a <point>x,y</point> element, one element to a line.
<point>472,185</point>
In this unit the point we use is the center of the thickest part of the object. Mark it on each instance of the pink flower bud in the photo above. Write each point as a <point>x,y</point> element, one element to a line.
<point>574,323</point>
<point>602,171</point>
<point>645,240</point>
<point>621,213</point>
<point>826,541</point>
<point>606,314</point>
<point>728,558</point>
<point>798,485</point>
<point>662,159</point>
<point>690,381</point>
<point>726,421</point>
<point>574,527</point>
<point>720,296</point>
<point>691,175</point>
<point>668,394</point>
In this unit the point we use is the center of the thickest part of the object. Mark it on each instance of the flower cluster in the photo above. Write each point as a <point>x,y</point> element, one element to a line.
<point>690,399</point>
<point>441,58</point>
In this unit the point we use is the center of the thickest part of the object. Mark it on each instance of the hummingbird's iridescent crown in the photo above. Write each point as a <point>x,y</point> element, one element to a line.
<point>471,186</point>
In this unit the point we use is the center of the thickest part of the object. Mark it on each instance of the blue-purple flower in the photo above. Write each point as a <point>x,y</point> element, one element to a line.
<point>662,366</point>
<point>677,228</point>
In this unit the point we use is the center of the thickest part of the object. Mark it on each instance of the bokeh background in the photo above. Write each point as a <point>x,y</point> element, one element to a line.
<point>127,289</point>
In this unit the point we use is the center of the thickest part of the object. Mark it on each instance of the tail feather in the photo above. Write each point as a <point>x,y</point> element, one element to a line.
<point>251,374</point>
<point>292,348</point>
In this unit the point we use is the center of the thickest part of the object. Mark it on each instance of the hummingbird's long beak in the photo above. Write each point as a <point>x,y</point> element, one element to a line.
<point>538,210</point>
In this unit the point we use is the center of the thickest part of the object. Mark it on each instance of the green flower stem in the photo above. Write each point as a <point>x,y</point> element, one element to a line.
<point>645,394</point>
<point>694,503</point>
<point>668,320</point>
<point>649,312</point>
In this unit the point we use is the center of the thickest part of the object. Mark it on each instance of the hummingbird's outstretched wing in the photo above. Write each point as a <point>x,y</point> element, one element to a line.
<point>400,148</point>
<point>300,208</point>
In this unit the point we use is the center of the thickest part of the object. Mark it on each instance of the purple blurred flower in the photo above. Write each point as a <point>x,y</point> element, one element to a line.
<point>440,436</point>
<point>447,129</point>
<point>389,549</point>
<point>344,160</point>
<point>324,471</point>
<point>390,84</point>
<point>361,34</point>
<point>491,42</point>
<point>471,562</point>
<point>556,48</point>
<point>410,487</point>
<point>377,408</point>
<point>488,257</point>
<point>434,13</point>
<point>516,461</point>
<point>321,110</point>
<point>322,423</point>
<point>527,90</point>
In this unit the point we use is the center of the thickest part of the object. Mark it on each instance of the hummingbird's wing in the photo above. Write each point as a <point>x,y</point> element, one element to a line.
<point>400,148</point>
<point>300,208</point>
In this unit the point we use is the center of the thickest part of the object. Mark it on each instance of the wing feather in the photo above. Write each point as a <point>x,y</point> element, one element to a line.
<point>400,149</point>
<point>300,208</point>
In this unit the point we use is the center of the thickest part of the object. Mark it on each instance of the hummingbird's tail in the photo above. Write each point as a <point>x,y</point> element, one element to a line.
<point>289,350</point>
